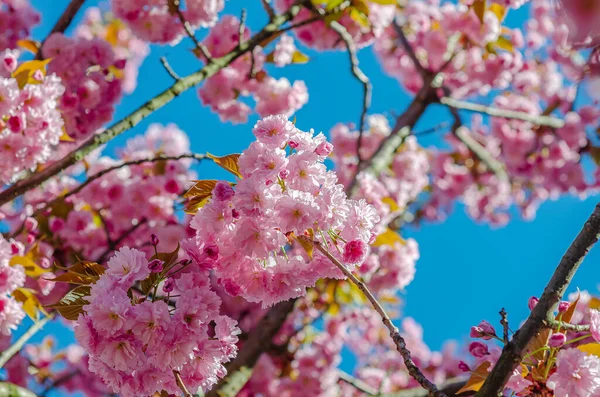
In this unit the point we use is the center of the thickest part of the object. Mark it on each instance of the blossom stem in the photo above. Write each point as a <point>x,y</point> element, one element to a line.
<point>181,385</point>
<point>578,339</point>
<point>399,341</point>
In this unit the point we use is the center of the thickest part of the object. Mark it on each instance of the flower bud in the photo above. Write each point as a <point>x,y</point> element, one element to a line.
<point>154,239</point>
<point>16,123</point>
<point>557,340</point>
<point>30,224</point>
<point>223,191</point>
<point>463,366</point>
<point>9,62</point>
<point>293,144</point>
<point>30,238</point>
<point>284,173</point>
<point>563,306</point>
<point>156,265</point>
<point>532,302</point>
<point>478,349</point>
<point>355,252</point>
<point>324,149</point>
<point>169,285</point>
<point>484,330</point>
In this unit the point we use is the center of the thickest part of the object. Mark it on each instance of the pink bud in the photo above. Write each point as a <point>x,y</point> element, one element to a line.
<point>16,123</point>
<point>223,191</point>
<point>69,101</point>
<point>30,238</point>
<point>45,263</point>
<point>355,252</point>
<point>169,285</point>
<point>17,247</point>
<point>10,62</point>
<point>463,366</point>
<point>532,302</point>
<point>212,251</point>
<point>156,266</point>
<point>557,340</point>
<point>30,224</point>
<point>172,186</point>
<point>154,239</point>
<point>268,183</point>
<point>293,144</point>
<point>478,349</point>
<point>235,213</point>
<point>324,149</point>
<point>484,330</point>
<point>56,224</point>
<point>563,306</point>
<point>283,174</point>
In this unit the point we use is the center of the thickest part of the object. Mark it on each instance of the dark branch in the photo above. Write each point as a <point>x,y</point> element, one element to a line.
<point>63,22</point>
<point>543,312</point>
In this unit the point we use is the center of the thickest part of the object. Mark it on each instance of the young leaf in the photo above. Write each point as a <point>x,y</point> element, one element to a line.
<point>228,162</point>
<point>590,348</point>
<point>477,378</point>
<point>389,237</point>
<point>361,6</point>
<point>498,10</point>
<point>537,343</point>
<point>71,305</point>
<point>25,71</point>
<point>201,189</point>
<point>504,43</point>
<point>29,45</point>
<point>385,2</point>
<point>31,268</point>
<point>29,301</point>
<point>84,273</point>
<point>359,17</point>
<point>298,57</point>
<point>66,137</point>
<point>479,7</point>
<point>307,244</point>
<point>568,314</point>
<point>169,258</point>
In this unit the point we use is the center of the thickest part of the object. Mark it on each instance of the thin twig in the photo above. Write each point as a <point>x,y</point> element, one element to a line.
<point>554,324</point>
<point>100,174</point>
<point>307,21</point>
<point>111,247</point>
<point>543,313</point>
<point>181,385</point>
<point>360,76</point>
<point>169,69</point>
<point>409,50</point>
<point>268,8</point>
<point>547,121</point>
<point>242,27</point>
<point>504,322</point>
<point>436,128</point>
<point>399,341</point>
<point>357,384</point>
<point>176,6</point>
<point>462,133</point>
<point>19,343</point>
<point>63,22</point>
<point>149,107</point>
<point>59,381</point>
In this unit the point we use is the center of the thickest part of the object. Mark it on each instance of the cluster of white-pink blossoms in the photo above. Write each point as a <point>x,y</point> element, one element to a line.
<point>11,278</point>
<point>139,344</point>
<point>285,191</point>
<point>31,124</point>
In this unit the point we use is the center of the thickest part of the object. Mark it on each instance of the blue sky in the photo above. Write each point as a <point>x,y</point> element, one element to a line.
<point>467,271</point>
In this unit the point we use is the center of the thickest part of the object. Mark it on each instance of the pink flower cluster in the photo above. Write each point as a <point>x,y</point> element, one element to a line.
<point>126,46</point>
<point>246,77</point>
<point>142,195</point>
<point>136,345</point>
<point>11,278</point>
<point>319,36</point>
<point>285,189</point>
<point>17,17</point>
<point>89,71</point>
<point>435,32</point>
<point>31,123</point>
<point>155,21</point>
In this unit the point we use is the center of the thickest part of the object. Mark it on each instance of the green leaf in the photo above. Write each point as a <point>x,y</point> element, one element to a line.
<point>71,305</point>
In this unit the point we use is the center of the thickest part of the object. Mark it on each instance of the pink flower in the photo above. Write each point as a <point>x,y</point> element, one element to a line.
<point>355,252</point>
<point>274,130</point>
<point>557,340</point>
<point>11,315</point>
<point>478,349</point>
<point>223,191</point>
<point>156,265</point>
<point>577,374</point>
<point>484,330</point>
<point>128,265</point>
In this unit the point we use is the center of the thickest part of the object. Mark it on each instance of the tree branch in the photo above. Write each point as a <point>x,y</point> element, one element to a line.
<point>399,341</point>
<point>268,8</point>
<point>259,340</point>
<point>552,323</point>
<point>169,69</point>
<point>148,108</point>
<point>357,383</point>
<point>19,343</point>
<point>181,385</point>
<point>63,22</point>
<point>543,313</point>
<point>360,76</point>
<point>542,120</point>
<point>176,4</point>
